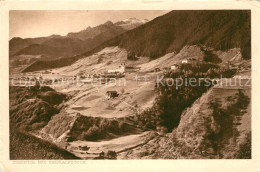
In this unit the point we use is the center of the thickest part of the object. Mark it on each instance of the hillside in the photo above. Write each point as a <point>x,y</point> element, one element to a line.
<point>171,32</point>
<point>144,121</point>
<point>66,46</point>
<point>24,146</point>
<point>17,44</point>
<point>31,109</point>
<point>216,126</point>
<point>220,30</point>
<point>44,64</point>
<point>38,49</point>
<point>49,52</point>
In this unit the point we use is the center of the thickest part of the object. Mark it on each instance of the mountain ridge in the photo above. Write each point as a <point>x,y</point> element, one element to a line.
<point>71,44</point>
<point>176,29</point>
<point>221,31</point>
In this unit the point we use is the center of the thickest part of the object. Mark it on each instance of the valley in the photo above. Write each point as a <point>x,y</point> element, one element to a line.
<point>129,90</point>
<point>89,119</point>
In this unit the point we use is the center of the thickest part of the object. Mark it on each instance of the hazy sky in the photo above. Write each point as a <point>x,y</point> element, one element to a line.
<point>28,24</point>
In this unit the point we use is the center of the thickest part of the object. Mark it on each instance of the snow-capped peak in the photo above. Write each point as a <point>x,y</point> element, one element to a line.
<point>134,20</point>
<point>131,23</point>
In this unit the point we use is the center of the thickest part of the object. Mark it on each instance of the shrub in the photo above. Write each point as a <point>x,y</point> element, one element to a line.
<point>210,57</point>
<point>225,118</point>
<point>131,56</point>
<point>93,133</point>
<point>111,155</point>
<point>244,151</point>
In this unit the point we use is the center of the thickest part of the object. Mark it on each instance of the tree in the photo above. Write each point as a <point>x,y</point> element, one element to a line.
<point>101,155</point>
<point>111,154</point>
<point>131,56</point>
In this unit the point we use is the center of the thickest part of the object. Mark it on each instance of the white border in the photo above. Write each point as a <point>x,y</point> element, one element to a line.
<point>128,165</point>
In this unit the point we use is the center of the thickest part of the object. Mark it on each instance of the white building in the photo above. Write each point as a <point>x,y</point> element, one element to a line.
<point>121,69</point>
<point>184,61</point>
<point>174,67</point>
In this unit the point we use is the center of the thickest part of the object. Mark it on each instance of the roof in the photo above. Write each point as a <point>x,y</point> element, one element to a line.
<point>111,91</point>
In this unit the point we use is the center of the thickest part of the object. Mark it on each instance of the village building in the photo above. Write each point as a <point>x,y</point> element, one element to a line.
<point>31,100</point>
<point>190,60</point>
<point>184,61</point>
<point>121,69</point>
<point>174,67</point>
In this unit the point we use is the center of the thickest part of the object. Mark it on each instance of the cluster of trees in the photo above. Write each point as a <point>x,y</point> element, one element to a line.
<point>108,155</point>
<point>210,57</point>
<point>217,73</point>
<point>31,109</point>
<point>100,131</point>
<point>203,70</point>
<point>93,129</point>
<point>226,119</point>
<point>172,100</point>
<point>131,56</point>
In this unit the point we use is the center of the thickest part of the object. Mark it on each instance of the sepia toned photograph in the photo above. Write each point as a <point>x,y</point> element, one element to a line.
<point>129,84</point>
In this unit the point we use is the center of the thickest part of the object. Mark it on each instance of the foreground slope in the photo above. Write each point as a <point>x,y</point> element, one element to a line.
<point>31,109</point>
<point>24,146</point>
<point>217,125</point>
<point>89,123</point>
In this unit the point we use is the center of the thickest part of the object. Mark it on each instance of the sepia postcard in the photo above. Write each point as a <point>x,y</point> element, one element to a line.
<point>163,85</point>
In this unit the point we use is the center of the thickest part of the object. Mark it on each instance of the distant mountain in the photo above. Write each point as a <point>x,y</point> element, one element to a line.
<point>90,33</point>
<point>57,46</point>
<point>218,29</point>
<point>17,44</point>
<point>36,49</point>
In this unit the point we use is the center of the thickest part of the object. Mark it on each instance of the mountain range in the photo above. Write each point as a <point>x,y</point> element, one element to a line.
<point>56,46</point>
<point>219,30</point>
